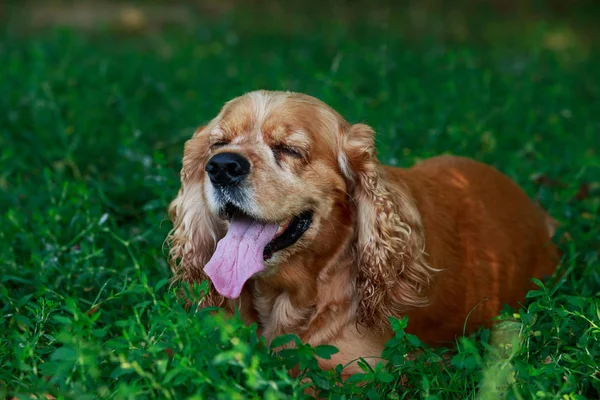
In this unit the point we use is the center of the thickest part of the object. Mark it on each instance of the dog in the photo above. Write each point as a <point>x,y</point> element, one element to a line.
<point>286,210</point>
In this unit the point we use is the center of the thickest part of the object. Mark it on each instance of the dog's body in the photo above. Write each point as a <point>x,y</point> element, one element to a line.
<point>447,242</point>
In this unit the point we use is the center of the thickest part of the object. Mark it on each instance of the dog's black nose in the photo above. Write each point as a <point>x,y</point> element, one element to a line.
<point>225,169</point>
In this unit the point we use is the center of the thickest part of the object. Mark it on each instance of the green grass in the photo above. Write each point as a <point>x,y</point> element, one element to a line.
<point>93,126</point>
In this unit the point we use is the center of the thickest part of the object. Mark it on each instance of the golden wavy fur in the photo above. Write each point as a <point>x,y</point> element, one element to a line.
<point>443,240</point>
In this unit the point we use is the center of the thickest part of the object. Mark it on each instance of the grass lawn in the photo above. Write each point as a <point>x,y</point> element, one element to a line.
<point>92,127</point>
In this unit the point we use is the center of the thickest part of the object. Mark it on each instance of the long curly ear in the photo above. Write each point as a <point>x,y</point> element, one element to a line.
<point>393,274</point>
<point>195,230</point>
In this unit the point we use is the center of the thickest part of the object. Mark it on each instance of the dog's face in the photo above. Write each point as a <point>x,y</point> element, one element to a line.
<point>279,186</point>
<point>271,160</point>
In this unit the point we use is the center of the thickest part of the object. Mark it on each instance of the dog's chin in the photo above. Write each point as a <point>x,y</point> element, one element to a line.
<point>290,229</point>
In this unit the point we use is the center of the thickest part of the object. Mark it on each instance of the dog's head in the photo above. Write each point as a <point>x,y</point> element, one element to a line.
<point>279,179</point>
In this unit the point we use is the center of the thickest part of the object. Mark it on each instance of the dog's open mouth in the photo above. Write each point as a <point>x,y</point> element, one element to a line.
<point>288,232</point>
<point>247,244</point>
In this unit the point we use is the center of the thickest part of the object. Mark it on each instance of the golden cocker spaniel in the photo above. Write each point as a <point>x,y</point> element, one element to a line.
<point>285,208</point>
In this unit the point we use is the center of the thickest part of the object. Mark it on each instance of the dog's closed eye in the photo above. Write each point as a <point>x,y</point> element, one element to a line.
<point>281,150</point>
<point>219,143</point>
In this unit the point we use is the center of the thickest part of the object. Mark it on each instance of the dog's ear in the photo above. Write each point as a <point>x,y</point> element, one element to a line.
<point>393,275</point>
<point>195,230</point>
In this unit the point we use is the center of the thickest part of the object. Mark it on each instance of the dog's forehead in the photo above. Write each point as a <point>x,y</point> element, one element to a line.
<point>276,117</point>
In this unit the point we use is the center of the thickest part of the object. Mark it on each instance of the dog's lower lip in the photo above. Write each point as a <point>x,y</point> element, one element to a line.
<point>296,227</point>
<point>282,227</point>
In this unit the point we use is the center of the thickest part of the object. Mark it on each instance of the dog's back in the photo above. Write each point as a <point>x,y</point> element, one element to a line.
<point>486,235</point>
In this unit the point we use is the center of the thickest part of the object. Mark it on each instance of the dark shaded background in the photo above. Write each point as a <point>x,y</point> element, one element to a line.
<point>487,22</point>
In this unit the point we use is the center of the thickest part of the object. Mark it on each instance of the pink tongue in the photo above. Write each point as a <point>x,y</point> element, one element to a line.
<point>239,255</point>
